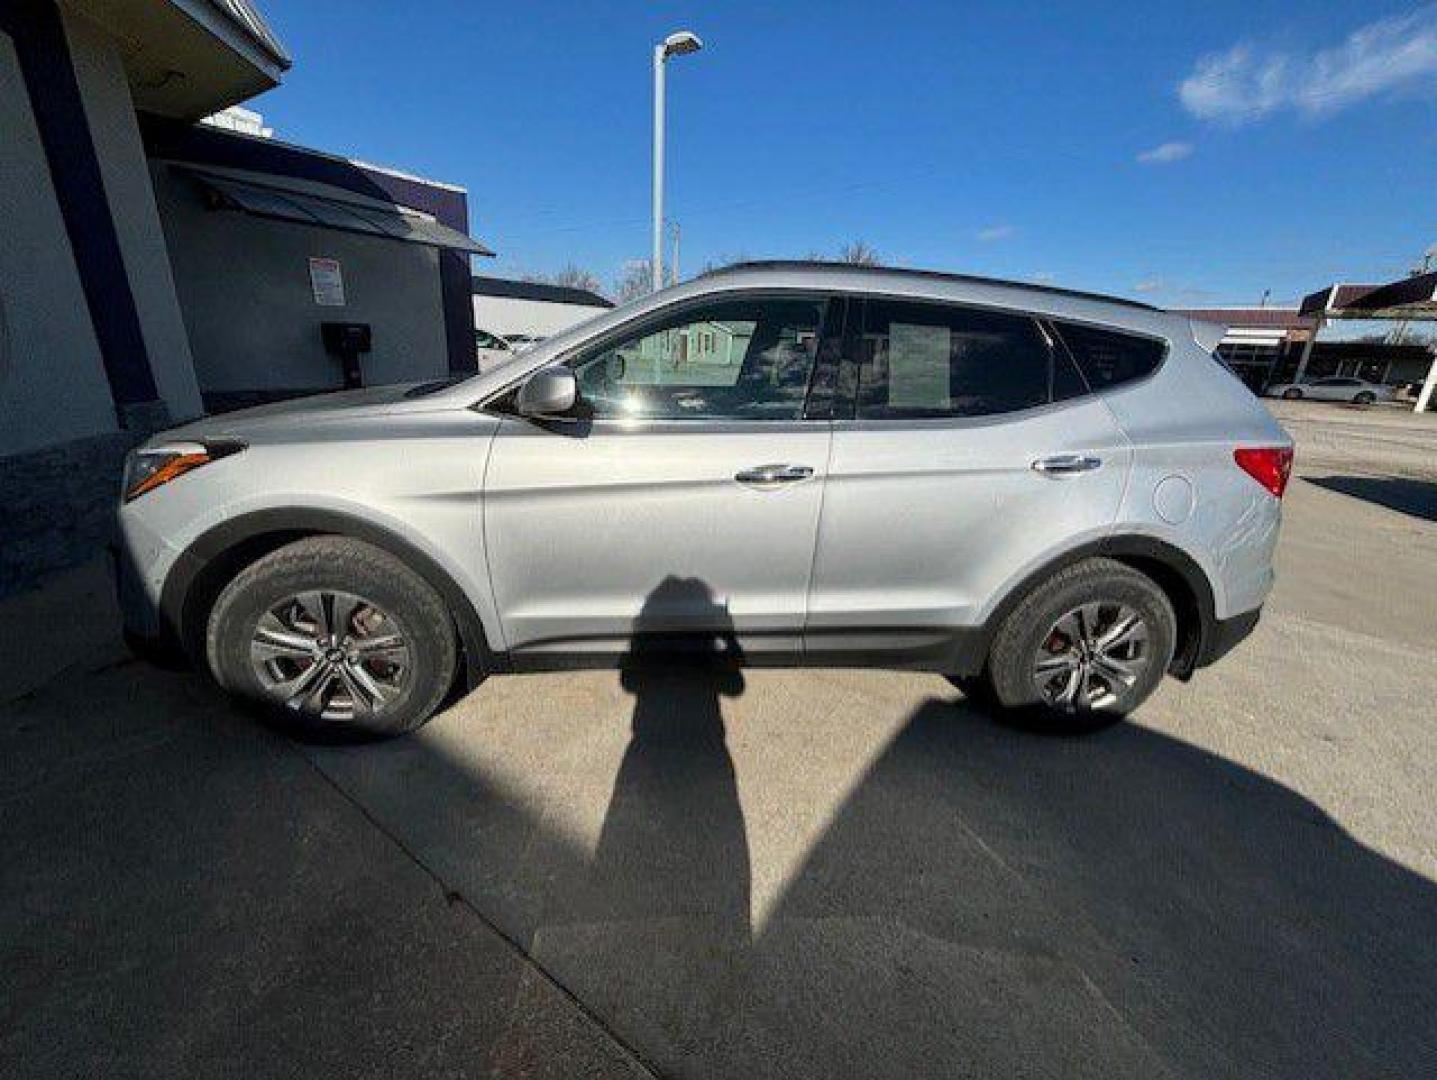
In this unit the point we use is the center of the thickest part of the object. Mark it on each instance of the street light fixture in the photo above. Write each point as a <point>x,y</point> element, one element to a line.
<point>677,44</point>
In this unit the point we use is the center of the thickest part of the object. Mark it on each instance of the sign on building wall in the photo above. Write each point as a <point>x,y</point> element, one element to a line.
<point>327,280</point>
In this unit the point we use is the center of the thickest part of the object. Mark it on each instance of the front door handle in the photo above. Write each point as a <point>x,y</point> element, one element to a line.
<point>1067,464</point>
<point>773,475</point>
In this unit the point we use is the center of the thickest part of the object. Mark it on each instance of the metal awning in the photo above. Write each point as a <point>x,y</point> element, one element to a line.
<point>1407,298</point>
<point>329,207</point>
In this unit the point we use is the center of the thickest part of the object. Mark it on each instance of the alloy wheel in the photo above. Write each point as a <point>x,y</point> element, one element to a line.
<point>328,654</point>
<point>1091,657</point>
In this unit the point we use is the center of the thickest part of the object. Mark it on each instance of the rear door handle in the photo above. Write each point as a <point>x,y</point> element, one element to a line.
<point>773,475</point>
<point>1067,464</point>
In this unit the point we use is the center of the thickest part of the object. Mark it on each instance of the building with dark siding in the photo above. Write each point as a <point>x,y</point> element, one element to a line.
<point>152,268</point>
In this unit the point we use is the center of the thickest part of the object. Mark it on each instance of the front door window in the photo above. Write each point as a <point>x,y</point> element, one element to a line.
<point>745,359</point>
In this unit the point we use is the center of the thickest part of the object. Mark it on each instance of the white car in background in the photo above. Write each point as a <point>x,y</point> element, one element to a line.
<point>492,350</point>
<point>523,342</point>
<point>1356,391</point>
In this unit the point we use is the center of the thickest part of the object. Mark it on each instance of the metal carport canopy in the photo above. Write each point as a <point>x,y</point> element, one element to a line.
<point>1411,298</point>
<point>1407,298</point>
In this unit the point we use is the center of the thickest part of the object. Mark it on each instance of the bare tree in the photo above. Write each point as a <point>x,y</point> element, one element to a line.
<point>855,254</point>
<point>722,261</point>
<point>572,276</point>
<point>858,254</point>
<point>636,280</point>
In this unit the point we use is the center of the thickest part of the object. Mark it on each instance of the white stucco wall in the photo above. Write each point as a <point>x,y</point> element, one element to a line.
<point>506,315</point>
<point>253,323</point>
<point>52,380</point>
<point>125,173</point>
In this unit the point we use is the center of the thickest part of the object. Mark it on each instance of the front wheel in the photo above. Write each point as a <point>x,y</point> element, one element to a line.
<point>1364,398</point>
<point>1084,648</point>
<point>333,635</point>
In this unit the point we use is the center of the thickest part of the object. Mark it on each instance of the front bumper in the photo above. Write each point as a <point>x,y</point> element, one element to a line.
<point>140,616</point>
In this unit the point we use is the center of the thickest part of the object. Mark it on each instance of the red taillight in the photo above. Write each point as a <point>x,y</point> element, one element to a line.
<point>1270,466</point>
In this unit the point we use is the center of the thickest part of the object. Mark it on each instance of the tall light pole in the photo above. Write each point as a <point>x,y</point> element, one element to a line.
<point>677,44</point>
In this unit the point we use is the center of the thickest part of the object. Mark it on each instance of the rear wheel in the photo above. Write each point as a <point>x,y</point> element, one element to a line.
<point>332,634</point>
<point>1085,648</point>
<point>1292,394</point>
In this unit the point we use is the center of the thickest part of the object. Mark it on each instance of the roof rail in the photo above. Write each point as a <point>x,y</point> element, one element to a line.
<point>932,275</point>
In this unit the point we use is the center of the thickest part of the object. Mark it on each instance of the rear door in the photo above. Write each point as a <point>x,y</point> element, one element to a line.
<point>681,499</point>
<point>972,447</point>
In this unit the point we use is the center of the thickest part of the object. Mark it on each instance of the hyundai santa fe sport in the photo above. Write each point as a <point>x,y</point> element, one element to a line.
<point>1050,497</point>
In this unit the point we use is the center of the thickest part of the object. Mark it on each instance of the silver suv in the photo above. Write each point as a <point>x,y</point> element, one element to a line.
<point>1051,497</point>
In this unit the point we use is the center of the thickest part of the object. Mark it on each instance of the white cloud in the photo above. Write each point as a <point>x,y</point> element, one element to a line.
<point>996,232</point>
<point>1388,57</point>
<point>1149,285</point>
<point>1166,153</point>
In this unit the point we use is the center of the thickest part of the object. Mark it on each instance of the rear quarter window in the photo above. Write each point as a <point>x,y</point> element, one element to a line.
<point>1109,358</point>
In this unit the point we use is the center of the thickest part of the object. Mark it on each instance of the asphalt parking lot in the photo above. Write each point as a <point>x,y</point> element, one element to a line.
<point>800,873</point>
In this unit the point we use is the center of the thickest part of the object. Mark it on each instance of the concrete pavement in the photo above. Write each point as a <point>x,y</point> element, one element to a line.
<point>799,873</point>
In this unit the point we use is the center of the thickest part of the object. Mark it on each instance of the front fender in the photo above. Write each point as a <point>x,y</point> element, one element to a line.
<point>229,543</point>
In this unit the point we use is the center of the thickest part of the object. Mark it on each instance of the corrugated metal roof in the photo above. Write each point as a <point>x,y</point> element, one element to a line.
<point>245,16</point>
<point>1333,297</point>
<point>1418,292</point>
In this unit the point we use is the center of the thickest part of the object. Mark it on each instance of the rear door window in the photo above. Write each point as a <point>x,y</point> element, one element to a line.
<point>931,361</point>
<point>1109,358</point>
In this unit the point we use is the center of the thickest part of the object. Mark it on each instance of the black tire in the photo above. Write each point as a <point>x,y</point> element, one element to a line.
<point>1292,393</point>
<point>1009,673</point>
<point>415,678</point>
<point>1364,398</point>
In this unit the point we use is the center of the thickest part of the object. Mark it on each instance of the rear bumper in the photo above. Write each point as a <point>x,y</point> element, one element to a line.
<point>1224,635</point>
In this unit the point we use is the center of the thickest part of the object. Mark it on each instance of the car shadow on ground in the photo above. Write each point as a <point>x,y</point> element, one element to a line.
<point>984,901</point>
<point>1407,496</point>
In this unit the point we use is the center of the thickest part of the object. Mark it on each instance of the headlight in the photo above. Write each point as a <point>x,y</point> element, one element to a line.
<point>154,466</point>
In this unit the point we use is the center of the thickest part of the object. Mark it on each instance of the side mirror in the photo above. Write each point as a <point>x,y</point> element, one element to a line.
<point>550,391</point>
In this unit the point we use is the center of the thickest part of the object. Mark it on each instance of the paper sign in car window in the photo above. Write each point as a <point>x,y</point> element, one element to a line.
<point>918,366</point>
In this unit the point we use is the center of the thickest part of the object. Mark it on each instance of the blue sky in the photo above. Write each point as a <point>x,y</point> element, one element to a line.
<point>1184,154</point>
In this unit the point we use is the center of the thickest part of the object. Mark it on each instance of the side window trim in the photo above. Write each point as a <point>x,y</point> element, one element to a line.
<point>824,396</point>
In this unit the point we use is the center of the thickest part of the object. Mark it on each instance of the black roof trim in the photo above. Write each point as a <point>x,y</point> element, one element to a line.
<point>536,290</point>
<point>930,275</point>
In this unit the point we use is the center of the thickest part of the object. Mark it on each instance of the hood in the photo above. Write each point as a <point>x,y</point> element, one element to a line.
<point>298,413</point>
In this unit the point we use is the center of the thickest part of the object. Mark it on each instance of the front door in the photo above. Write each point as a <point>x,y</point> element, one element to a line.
<point>680,500</point>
